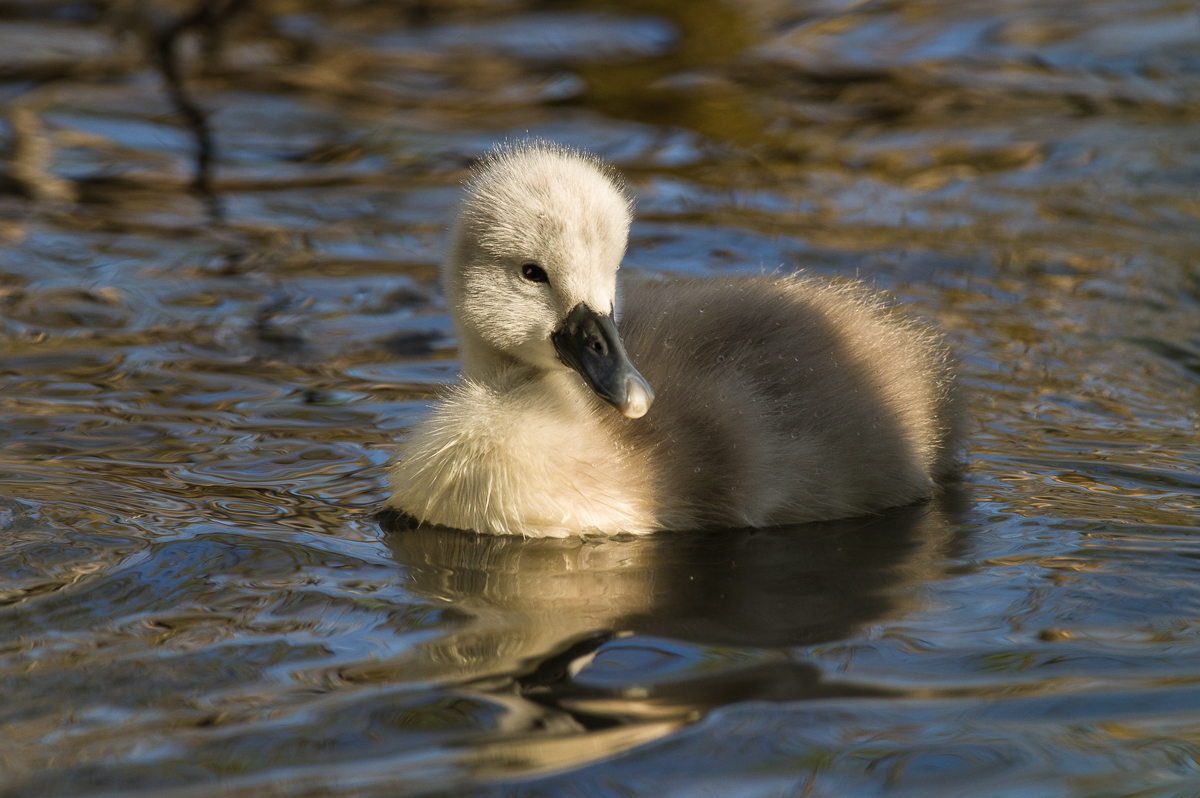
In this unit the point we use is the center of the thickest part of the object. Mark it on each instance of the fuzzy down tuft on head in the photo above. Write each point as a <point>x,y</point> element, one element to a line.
<point>532,203</point>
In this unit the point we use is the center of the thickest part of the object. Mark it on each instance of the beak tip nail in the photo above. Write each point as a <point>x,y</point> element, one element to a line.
<point>637,403</point>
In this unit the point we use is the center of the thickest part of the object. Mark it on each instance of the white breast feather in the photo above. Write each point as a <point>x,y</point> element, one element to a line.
<point>518,464</point>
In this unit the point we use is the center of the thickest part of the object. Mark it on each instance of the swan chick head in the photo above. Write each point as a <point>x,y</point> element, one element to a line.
<point>532,269</point>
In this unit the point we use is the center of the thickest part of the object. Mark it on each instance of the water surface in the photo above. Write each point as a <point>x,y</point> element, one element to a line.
<point>201,385</point>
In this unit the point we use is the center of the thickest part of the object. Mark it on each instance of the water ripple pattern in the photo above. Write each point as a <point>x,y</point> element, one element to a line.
<point>220,230</point>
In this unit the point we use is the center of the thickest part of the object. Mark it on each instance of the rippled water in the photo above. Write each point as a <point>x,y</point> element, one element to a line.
<point>196,413</point>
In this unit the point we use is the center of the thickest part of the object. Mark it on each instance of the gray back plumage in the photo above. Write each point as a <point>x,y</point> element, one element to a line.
<point>786,399</point>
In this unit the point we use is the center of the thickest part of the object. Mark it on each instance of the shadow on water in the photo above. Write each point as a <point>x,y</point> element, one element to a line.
<point>668,625</point>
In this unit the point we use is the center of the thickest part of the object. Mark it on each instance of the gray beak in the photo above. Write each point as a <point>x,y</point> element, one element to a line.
<point>588,343</point>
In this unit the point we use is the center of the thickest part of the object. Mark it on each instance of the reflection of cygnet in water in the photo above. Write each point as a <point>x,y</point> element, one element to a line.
<point>528,600</point>
<point>741,401</point>
<point>522,598</point>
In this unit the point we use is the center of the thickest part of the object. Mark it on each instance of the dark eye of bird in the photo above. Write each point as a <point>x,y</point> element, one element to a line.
<point>534,273</point>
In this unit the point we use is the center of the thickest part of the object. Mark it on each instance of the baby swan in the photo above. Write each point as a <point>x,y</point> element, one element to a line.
<point>740,401</point>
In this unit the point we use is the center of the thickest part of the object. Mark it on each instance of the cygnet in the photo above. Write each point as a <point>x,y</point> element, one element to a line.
<point>694,403</point>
